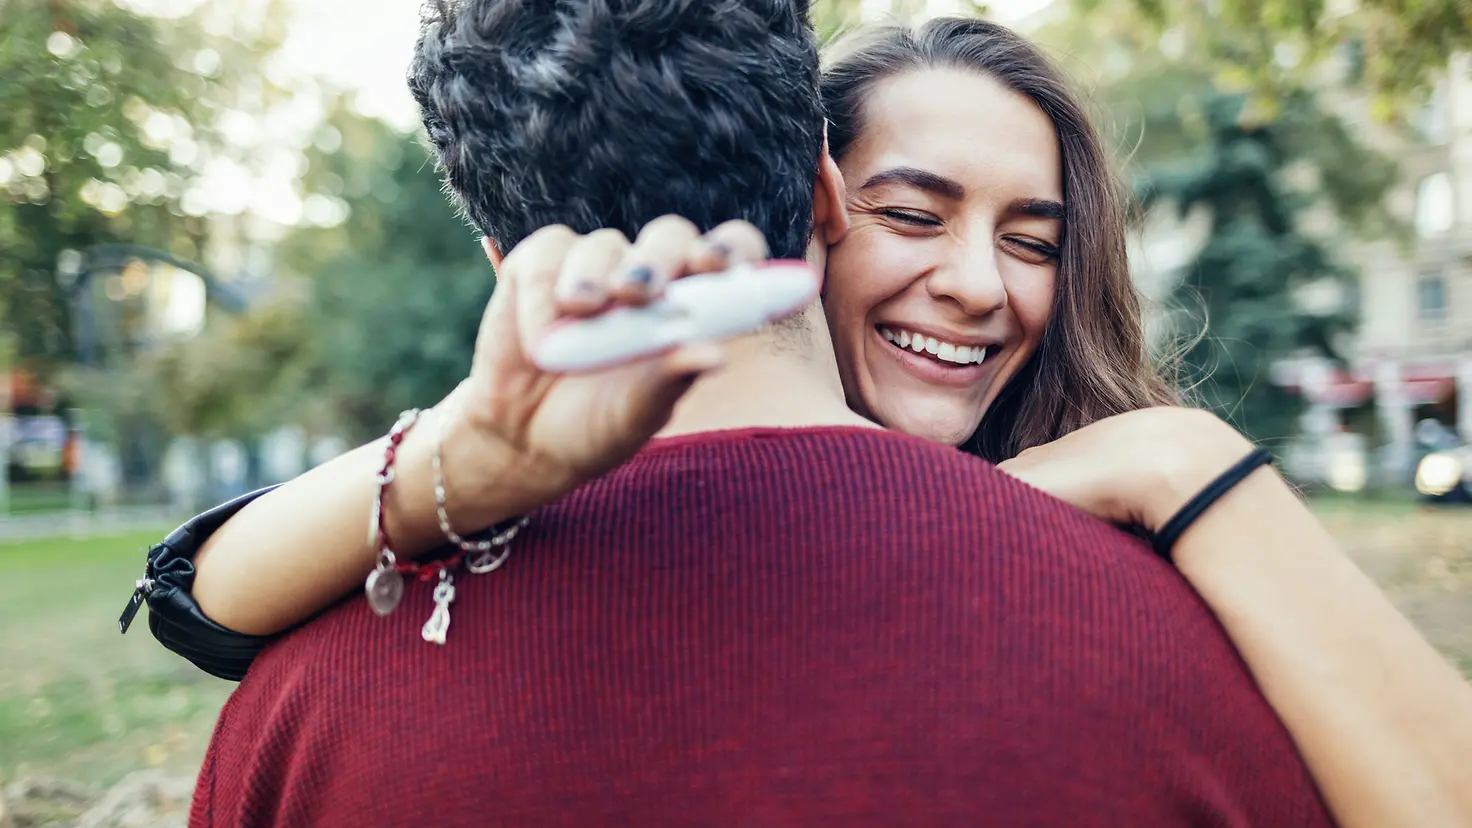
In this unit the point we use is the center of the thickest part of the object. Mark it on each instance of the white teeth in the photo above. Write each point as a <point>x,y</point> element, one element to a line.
<point>944,351</point>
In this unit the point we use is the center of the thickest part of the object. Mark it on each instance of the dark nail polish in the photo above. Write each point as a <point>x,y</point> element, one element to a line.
<point>722,251</point>
<point>641,276</point>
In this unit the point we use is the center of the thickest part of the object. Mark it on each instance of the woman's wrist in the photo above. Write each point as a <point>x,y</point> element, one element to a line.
<point>1207,448</point>
<point>481,468</point>
<point>1245,534</point>
<point>486,481</point>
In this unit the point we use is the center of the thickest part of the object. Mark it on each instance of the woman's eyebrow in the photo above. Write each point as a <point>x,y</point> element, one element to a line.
<point>1045,208</point>
<point>919,179</point>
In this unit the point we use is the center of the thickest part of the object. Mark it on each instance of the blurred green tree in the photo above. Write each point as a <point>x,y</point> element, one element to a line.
<point>377,313</point>
<point>1284,187</point>
<point>80,83</point>
<point>1283,197</point>
<point>834,17</point>
<point>106,117</point>
<point>242,378</point>
<point>398,290</point>
<point>1394,49</point>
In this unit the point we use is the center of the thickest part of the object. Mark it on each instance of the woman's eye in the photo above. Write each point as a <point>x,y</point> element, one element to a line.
<point>1032,250</point>
<point>911,218</point>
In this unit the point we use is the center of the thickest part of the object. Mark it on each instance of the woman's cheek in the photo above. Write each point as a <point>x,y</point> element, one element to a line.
<point>850,284</point>
<point>881,264</point>
<point>1032,297</point>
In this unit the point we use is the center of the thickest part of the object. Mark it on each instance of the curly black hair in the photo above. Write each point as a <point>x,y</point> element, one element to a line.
<point>610,113</point>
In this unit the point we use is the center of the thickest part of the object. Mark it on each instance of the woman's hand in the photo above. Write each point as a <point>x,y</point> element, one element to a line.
<point>1133,469</point>
<point>525,436</point>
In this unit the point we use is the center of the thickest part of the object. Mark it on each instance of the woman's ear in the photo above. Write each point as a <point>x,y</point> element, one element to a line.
<point>830,216</point>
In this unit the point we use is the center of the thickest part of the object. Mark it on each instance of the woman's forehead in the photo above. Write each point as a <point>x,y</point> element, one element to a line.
<point>965,126</point>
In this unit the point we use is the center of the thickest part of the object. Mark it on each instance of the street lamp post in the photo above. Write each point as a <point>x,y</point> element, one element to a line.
<point>75,271</point>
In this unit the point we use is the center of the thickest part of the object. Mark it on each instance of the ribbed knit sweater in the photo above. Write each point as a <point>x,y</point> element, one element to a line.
<point>811,627</point>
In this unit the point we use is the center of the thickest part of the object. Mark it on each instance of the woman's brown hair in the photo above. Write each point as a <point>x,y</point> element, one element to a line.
<point>1093,361</point>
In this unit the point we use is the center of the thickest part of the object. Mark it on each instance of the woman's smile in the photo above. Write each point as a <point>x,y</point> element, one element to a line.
<point>941,360</point>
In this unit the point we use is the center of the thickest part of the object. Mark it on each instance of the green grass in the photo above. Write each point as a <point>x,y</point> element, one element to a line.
<point>1389,504</point>
<point>77,700</point>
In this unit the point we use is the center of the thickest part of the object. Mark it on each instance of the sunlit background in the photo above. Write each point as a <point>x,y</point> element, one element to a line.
<point>224,258</point>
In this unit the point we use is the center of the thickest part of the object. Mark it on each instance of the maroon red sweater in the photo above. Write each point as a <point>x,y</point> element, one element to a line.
<point>773,628</point>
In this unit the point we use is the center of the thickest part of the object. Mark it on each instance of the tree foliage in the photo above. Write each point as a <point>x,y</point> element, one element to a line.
<point>397,291</point>
<point>377,314</point>
<point>1394,49</point>
<point>107,116</point>
<point>1269,278</point>
<point>835,17</point>
<point>79,78</point>
<point>1284,186</point>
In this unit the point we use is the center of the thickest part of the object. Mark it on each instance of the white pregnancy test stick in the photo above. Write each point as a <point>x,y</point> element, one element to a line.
<point>701,308</point>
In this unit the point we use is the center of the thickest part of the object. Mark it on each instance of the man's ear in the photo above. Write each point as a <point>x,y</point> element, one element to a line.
<point>492,252</point>
<point>830,216</point>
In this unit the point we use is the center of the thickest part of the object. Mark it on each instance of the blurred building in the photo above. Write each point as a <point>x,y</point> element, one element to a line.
<point>1412,357</point>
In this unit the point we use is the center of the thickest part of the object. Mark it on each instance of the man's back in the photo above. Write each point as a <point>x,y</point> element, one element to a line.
<point>806,627</point>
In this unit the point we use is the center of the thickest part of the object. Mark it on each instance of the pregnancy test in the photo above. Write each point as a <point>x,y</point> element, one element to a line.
<point>702,308</point>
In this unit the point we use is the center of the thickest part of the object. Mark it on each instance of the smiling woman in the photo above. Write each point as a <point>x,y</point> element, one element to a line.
<point>982,297</point>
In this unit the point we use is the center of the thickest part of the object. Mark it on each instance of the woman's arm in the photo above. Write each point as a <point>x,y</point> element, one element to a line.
<point>295,550</point>
<point>1382,720</point>
<point>514,437</point>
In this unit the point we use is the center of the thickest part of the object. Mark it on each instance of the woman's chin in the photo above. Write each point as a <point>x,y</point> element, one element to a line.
<point>946,428</point>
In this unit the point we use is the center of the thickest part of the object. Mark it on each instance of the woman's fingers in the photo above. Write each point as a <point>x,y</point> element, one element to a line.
<point>730,244</point>
<point>585,277</point>
<point>656,258</point>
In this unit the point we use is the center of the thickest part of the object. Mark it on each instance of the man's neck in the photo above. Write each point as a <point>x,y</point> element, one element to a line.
<point>770,382</point>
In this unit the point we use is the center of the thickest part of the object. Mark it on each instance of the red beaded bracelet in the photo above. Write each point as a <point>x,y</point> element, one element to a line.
<point>385,584</point>
<point>384,587</point>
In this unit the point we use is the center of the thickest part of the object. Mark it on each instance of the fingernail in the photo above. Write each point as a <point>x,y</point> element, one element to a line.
<point>643,276</point>
<point>582,290</point>
<point>722,251</point>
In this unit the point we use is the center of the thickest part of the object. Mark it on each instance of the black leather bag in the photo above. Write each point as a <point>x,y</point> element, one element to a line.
<point>174,617</point>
